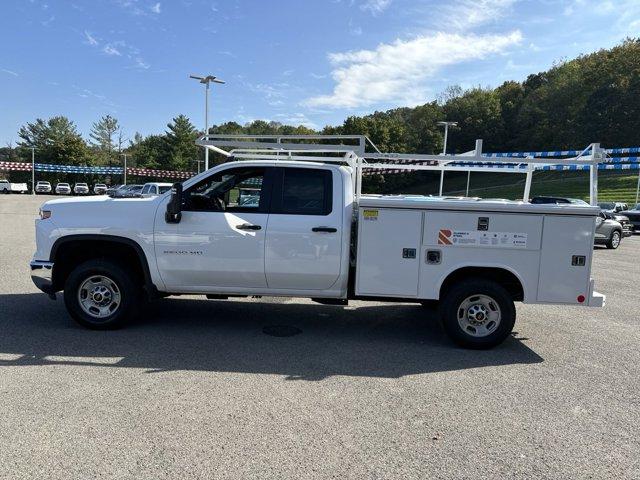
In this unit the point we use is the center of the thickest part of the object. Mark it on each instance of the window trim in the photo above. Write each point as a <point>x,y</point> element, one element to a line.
<point>265,192</point>
<point>278,190</point>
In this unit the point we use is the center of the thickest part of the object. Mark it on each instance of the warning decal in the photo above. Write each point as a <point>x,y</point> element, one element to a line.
<point>482,239</point>
<point>371,215</point>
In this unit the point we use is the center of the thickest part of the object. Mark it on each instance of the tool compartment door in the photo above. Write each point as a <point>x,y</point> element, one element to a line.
<point>388,254</point>
<point>565,237</point>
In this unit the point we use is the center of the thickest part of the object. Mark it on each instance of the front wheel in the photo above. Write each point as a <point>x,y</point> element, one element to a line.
<point>478,313</point>
<point>614,240</point>
<point>101,295</point>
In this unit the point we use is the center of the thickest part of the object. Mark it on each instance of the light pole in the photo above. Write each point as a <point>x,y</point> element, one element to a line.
<point>33,170</point>
<point>124,171</point>
<point>206,81</point>
<point>444,149</point>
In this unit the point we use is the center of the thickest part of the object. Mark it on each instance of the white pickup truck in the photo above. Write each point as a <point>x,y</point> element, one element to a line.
<point>301,229</point>
<point>8,187</point>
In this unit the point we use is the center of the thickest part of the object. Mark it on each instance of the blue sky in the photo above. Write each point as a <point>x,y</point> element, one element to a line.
<point>310,62</point>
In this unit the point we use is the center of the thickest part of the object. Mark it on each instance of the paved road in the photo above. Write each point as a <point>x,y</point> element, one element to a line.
<point>196,390</point>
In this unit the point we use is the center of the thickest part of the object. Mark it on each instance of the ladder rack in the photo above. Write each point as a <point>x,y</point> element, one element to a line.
<point>351,150</point>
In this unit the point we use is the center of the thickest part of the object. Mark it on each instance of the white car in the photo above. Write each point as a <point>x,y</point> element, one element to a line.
<point>152,189</point>
<point>63,188</point>
<point>100,189</point>
<point>310,233</point>
<point>43,187</point>
<point>81,188</point>
<point>8,187</point>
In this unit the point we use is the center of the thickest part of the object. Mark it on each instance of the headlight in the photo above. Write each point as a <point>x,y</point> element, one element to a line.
<point>44,214</point>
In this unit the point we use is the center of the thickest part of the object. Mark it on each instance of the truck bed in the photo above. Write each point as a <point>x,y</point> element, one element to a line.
<point>409,245</point>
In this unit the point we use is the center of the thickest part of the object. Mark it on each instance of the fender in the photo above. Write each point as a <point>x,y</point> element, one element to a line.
<point>149,287</point>
<point>454,269</point>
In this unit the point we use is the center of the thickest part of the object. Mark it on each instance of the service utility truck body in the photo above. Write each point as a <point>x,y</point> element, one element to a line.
<point>303,230</point>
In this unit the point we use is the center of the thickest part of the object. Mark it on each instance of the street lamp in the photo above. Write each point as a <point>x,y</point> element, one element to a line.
<point>33,170</point>
<point>446,133</point>
<point>444,150</point>
<point>124,170</point>
<point>206,81</point>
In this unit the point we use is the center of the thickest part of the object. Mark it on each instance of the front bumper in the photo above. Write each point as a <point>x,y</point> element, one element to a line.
<point>41,275</point>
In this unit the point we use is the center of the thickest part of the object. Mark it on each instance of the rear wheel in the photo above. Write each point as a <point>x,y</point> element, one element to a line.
<point>478,313</point>
<point>101,295</point>
<point>614,240</point>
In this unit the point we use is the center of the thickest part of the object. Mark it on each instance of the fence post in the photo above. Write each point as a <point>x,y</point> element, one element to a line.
<point>596,155</point>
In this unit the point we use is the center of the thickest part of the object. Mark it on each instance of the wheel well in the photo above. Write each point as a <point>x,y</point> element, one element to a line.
<point>501,276</point>
<point>71,253</point>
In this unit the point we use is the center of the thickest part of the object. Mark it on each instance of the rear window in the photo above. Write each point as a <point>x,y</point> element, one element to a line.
<point>164,189</point>
<point>306,191</point>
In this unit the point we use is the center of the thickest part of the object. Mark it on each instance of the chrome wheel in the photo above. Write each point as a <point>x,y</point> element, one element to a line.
<point>479,315</point>
<point>99,296</point>
<point>615,239</point>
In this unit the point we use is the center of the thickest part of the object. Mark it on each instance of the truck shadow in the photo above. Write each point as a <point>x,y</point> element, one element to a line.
<point>388,341</point>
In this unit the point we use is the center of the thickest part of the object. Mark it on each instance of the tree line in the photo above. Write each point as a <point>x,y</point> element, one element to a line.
<point>593,98</point>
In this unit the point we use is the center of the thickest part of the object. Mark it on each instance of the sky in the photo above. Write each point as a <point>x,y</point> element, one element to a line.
<point>308,62</point>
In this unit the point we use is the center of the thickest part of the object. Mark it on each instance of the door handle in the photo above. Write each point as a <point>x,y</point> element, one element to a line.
<point>248,226</point>
<point>324,229</point>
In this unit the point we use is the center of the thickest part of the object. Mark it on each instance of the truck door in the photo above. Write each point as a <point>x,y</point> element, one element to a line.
<point>304,235</point>
<point>220,240</point>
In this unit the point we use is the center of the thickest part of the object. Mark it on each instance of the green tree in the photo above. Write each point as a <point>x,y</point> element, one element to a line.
<point>56,141</point>
<point>180,143</point>
<point>103,135</point>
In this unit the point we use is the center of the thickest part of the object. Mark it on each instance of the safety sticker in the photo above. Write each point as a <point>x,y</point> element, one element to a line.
<point>482,239</point>
<point>370,215</point>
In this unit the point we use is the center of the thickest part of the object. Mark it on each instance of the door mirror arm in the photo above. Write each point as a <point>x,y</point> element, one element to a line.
<point>174,207</point>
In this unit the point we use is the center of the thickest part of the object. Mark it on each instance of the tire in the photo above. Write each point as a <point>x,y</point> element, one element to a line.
<point>477,314</point>
<point>614,240</point>
<point>102,295</point>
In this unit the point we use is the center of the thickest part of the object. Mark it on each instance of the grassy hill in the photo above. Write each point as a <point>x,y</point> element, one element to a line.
<point>612,185</point>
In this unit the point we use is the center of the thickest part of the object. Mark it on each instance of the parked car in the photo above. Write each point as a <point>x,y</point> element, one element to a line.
<point>81,188</point>
<point>541,200</point>
<point>43,187</point>
<point>609,232</point>
<point>614,207</point>
<point>63,188</point>
<point>112,188</point>
<point>99,189</point>
<point>8,187</point>
<point>151,189</point>
<point>127,191</point>
<point>634,217</point>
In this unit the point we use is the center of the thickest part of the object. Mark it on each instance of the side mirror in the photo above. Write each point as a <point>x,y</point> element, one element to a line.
<point>174,207</point>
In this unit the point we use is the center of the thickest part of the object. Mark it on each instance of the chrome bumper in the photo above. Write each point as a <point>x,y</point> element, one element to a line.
<point>41,275</point>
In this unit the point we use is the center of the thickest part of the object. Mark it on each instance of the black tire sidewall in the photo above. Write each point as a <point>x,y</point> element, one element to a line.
<point>130,294</point>
<point>457,294</point>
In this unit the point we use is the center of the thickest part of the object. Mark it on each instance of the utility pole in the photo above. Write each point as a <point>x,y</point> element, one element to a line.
<point>444,150</point>
<point>124,171</point>
<point>33,170</point>
<point>206,81</point>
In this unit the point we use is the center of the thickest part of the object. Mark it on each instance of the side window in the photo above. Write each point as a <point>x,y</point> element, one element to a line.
<point>304,191</point>
<point>233,190</point>
<point>145,190</point>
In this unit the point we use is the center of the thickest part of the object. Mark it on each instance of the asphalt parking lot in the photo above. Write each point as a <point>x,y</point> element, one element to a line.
<point>195,389</point>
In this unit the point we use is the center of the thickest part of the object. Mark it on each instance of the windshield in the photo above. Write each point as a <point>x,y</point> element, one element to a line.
<point>63,184</point>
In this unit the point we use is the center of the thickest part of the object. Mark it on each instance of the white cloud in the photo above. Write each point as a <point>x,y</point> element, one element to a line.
<point>10,72</point>
<point>397,72</point>
<point>156,8</point>
<point>375,7</point>
<point>465,14</point>
<point>90,39</point>
<point>111,50</point>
